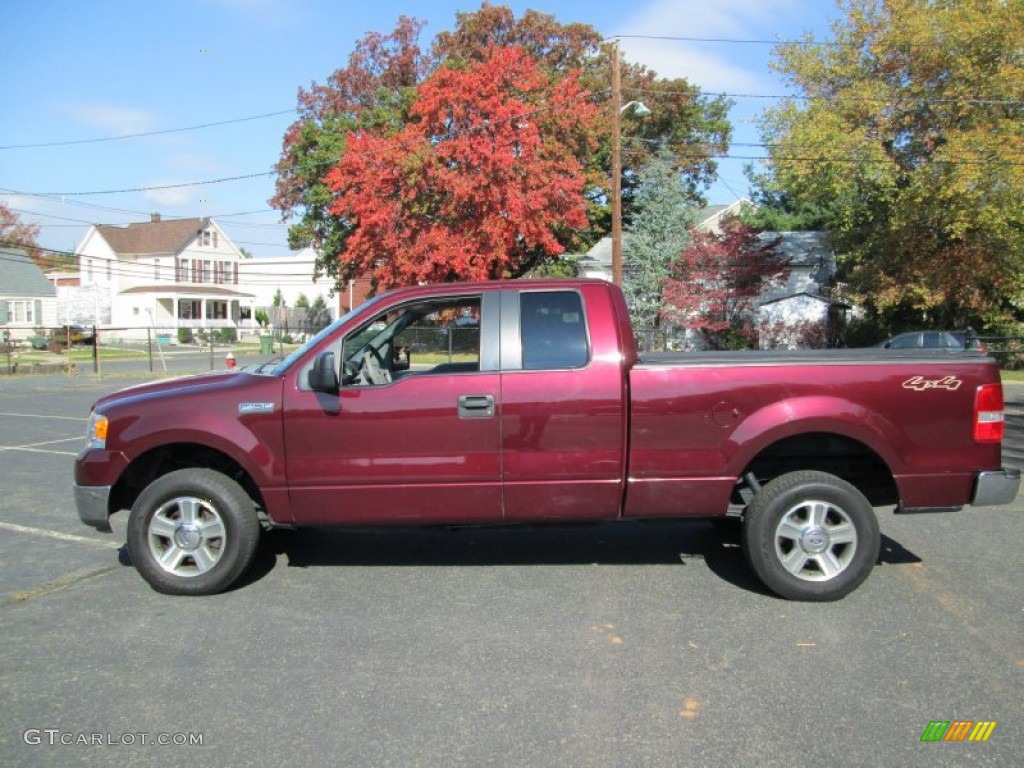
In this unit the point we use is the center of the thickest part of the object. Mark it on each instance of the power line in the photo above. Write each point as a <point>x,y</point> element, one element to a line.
<point>726,40</point>
<point>147,133</point>
<point>145,271</point>
<point>742,41</point>
<point>205,182</point>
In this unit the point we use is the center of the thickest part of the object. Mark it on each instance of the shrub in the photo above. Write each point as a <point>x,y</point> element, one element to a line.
<point>185,336</point>
<point>228,335</point>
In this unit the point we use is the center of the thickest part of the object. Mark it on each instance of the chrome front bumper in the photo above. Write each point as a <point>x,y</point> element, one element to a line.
<point>991,488</point>
<point>93,505</point>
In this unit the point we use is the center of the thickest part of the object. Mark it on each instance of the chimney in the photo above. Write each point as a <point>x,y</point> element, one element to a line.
<point>154,218</point>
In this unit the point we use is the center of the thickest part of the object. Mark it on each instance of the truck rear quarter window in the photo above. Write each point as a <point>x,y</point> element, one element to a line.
<point>554,334</point>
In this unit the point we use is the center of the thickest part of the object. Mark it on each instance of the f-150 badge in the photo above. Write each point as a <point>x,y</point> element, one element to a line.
<point>920,383</point>
<point>255,407</point>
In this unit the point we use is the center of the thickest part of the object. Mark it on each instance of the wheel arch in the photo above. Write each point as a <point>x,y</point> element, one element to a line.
<point>831,452</point>
<point>161,460</point>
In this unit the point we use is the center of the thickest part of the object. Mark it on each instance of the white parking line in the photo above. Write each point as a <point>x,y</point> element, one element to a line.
<point>57,535</point>
<point>33,448</point>
<point>42,416</point>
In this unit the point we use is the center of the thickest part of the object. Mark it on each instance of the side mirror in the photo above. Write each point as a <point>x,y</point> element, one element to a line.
<point>324,375</point>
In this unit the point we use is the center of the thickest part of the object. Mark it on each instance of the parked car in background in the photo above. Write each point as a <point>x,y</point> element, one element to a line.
<point>75,334</point>
<point>934,340</point>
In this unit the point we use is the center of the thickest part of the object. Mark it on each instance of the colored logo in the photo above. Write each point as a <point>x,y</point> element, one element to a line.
<point>958,730</point>
<point>920,383</point>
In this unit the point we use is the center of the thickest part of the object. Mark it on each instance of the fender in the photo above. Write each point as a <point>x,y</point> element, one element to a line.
<point>252,437</point>
<point>804,415</point>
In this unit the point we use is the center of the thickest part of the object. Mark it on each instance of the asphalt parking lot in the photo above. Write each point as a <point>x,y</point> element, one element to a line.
<point>628,645</point>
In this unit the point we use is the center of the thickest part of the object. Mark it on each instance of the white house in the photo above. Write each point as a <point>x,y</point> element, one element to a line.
<point>164,275</point>
<point>291,275</point>
<point>27,299</point>
<point>798,303</point>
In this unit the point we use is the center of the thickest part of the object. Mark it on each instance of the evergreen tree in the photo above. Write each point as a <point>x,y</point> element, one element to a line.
<point>658,233</point>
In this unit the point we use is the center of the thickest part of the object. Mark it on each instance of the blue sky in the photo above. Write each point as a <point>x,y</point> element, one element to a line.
<point>73,71</point>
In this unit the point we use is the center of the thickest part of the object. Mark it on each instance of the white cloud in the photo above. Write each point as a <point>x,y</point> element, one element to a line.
<point>712,66</point>
<point>113,120</point>
<point>174,197</point>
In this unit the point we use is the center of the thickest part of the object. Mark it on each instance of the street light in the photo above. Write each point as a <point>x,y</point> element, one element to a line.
<point>618,108</point>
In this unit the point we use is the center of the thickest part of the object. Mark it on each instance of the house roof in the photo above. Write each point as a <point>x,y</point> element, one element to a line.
<point>188,289</point>
<point>19,275</point>
<point>805,294</point>
<point>709,217</point>
<point>152,237</point>
<point>803,249</point>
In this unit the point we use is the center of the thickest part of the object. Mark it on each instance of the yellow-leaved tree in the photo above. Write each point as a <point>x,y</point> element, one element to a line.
<point>907,127</point>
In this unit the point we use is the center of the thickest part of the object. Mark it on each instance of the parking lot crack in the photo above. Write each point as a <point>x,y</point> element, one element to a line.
<point>57,585</point>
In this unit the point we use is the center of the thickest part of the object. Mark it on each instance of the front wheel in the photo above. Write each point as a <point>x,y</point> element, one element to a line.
<point>192,532</point>
<point>811,536</point>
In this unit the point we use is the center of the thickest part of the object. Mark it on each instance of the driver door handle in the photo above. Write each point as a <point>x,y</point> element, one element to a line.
<point>476,406</point>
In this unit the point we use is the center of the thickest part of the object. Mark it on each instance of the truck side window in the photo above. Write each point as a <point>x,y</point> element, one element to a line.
<point>553,333</point>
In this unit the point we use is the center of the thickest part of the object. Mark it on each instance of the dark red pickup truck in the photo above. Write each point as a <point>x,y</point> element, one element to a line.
<point>526,402</point>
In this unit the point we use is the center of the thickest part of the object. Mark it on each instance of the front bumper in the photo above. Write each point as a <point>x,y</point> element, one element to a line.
<point>93,502</point>
<point>991,488</point>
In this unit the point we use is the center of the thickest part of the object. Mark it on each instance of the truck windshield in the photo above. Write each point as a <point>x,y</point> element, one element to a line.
<point>285,364</point>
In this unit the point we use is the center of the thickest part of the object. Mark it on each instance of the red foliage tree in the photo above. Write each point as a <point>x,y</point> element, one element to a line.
<point>713,285</point>
<point>15,233</point>
<point>481,183</point>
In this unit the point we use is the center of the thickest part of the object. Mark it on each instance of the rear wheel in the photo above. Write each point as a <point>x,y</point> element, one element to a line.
<point>811,536</point>
<point>192,532</point>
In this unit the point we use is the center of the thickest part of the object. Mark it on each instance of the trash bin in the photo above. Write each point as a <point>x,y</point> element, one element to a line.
<point>266,344</point>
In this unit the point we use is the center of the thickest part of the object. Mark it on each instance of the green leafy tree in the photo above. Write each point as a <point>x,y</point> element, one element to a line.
<point>375,93</point>
<point>909,133</point>
<point>658,233</point>
<point>302,301</point>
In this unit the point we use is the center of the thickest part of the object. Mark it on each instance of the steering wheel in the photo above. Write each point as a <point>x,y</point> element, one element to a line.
<point>373,369</point>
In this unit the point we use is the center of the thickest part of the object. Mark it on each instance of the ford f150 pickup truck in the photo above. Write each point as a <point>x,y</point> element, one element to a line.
<point>536,407</point>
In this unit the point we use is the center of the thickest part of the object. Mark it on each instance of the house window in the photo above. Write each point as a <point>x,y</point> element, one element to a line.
<point>109,262</point>
<point>207,271</point>
<point>197,271</point>
<point>204,238</point>
<point>20,311</point>
<point>182,271</point>
<point>156,269</point>
<point>88,270</point>
<point>245,313</point>
<point>217,310</point>
<point>189,309</point>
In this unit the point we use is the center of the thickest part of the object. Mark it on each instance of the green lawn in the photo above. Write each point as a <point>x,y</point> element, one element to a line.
<point>78,355</point>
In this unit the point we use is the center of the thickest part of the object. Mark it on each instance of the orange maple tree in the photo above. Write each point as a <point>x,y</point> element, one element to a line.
<point>479,184</point>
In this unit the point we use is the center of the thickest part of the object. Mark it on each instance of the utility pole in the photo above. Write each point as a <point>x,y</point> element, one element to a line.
<point>616,165</point>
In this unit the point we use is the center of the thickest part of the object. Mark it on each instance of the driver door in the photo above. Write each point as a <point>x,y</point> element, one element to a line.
<point>422,447</point>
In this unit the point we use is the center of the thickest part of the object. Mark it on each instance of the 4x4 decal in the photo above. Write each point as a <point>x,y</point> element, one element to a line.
<point>920,383</point>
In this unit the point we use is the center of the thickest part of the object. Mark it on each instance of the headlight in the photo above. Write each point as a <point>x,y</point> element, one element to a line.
<point>96,437</point>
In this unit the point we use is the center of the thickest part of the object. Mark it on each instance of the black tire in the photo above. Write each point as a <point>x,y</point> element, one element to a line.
<point>811,536</point>
<point>192,532</point>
